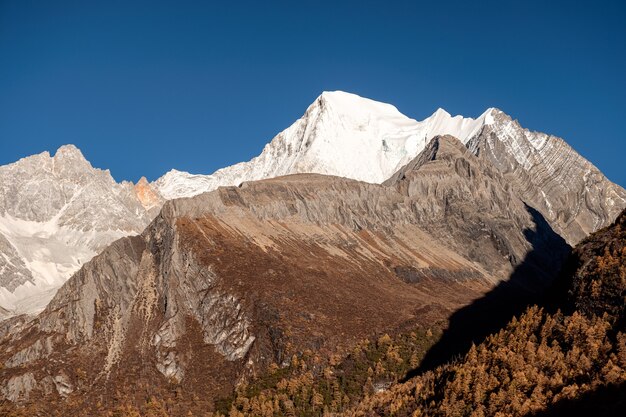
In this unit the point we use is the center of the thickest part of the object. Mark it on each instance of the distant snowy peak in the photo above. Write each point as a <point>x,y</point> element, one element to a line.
<point>56,213</point>
<point>340,134</point>
<point>176,184</point>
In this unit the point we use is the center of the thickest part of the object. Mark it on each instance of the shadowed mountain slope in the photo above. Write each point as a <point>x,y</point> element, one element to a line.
<point>569,191</point>
<point>543,362</point>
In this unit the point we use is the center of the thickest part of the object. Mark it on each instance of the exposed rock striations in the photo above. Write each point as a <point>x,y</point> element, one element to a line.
<point>469,204</point>
<point>571,193</point>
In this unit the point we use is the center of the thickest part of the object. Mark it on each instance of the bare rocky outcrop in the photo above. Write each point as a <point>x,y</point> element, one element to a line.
<point>19,387</point>
<point>572,194</point>
<point>472,206</point>
<point>13,270</point>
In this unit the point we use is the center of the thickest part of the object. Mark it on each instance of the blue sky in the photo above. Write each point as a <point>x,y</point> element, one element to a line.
<point>145,86</point>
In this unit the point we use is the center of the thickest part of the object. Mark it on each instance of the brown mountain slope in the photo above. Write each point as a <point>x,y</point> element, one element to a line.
<point>541,363</point>
<point>222,285</point>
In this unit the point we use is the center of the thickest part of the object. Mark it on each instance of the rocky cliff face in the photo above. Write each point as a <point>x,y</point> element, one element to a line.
<point>571,193</point>
<point>470,204</point>
<point>221,285</point>
<point>56,213</point>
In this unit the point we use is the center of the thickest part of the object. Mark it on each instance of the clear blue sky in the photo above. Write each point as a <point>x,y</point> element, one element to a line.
<point>145,86</point>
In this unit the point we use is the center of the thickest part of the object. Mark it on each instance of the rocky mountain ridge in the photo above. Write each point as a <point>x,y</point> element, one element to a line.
<point>571,193</point>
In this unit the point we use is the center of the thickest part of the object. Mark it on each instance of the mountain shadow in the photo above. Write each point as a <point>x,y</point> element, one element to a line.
<point>527,285</point>
<point>604,401</point>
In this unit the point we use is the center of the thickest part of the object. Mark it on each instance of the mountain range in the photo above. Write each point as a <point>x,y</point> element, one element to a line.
<point>57,212</point>
<point>355,222</point>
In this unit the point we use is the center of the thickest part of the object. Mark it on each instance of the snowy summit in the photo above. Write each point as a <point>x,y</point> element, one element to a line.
<point>340,134</point>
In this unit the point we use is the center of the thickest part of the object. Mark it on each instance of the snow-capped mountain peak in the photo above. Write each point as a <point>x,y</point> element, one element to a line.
<point>57,212</point>
<point>352,106</point>
<point>340,134</point>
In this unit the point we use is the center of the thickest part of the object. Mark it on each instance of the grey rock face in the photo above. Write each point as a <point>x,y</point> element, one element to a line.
<point>468,203</point>
<point>56,212</point>
<point>144,279</point>
<point>571,193</point>
<point>191,291</point>
<point>108,282</point>
<point>38,350</point>
<point>18,388</point>
<point>13,270</point>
